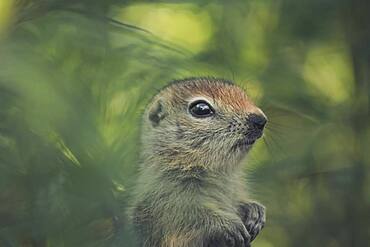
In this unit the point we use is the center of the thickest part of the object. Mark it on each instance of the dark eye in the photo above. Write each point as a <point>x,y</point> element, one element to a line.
<point>201,109</point>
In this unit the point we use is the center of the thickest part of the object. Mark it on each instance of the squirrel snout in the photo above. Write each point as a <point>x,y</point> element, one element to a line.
<point>258,121</point>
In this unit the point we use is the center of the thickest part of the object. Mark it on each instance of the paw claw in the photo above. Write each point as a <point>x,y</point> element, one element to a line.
<point>253,217</point>
<point>235,236</point>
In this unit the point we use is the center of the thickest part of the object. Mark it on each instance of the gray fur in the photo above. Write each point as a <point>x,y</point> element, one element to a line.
<point>190,192</point>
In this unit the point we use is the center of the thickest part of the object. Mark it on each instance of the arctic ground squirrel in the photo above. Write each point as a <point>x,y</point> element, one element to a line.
<point>190,191</point>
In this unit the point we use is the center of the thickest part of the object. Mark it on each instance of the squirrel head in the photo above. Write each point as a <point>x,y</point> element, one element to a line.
<point>200,122</point>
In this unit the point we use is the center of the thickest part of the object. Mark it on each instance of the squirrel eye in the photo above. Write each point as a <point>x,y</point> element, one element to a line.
<point>201,109</point>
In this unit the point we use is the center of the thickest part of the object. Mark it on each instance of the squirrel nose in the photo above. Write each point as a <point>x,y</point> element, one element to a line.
<point>258,121</point>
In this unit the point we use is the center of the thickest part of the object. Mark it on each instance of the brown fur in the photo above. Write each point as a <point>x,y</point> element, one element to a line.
<point>190,190</point>
<point>230,95</point>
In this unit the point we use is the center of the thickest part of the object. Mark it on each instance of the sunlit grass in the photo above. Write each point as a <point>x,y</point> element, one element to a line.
<point>328,72</point>
<point>261,19</point>
<point>6,12</point>
<point>184,24</point>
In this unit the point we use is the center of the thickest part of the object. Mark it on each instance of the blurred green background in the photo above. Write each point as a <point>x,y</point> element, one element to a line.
<point>75,77</point>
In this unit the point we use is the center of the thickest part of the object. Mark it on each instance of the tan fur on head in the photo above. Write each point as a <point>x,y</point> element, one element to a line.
<point>172,137</point>
<point>189,194</point>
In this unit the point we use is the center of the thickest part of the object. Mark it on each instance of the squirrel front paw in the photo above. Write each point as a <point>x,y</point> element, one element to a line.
<point>253,217</point>
<point>235,235</point>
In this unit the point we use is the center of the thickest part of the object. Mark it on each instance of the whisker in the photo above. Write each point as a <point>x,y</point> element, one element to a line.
<point>269,149</point>
<point>289,126</point>
<point>280,130</point>
<point>276,144</point>
<point>279,134</point>
<point>279,109</point>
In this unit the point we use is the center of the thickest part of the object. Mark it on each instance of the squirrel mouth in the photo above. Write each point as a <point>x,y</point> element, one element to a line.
<point>243,144</point>
<point>247,142</point>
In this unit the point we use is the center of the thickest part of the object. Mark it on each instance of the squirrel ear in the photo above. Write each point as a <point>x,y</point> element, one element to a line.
<point>156,113</point>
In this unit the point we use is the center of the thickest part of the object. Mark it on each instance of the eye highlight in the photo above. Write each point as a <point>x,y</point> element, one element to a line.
<point>201,109</point>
